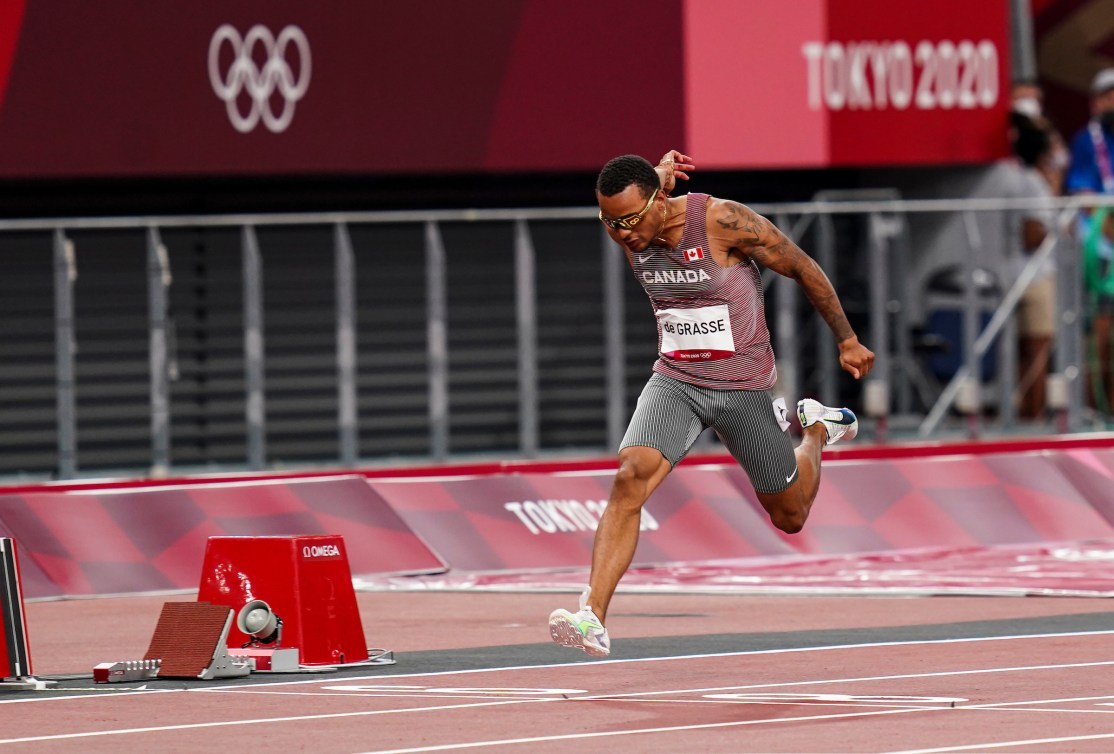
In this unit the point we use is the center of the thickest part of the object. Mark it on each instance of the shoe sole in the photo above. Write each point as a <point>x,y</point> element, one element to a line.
<point>564,632</point>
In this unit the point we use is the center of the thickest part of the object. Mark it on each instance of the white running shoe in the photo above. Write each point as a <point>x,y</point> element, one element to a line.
<point>839,423</point>
<point>581,629</point>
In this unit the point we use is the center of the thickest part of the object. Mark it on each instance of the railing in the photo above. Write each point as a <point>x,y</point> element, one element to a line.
<point>893,397</point>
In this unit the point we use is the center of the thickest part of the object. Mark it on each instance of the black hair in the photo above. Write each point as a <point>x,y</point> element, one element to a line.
<point>1031,140</point>
<point>624,170</point>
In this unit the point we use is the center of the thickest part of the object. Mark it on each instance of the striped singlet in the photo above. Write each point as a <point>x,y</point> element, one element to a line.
<point>711,320</point>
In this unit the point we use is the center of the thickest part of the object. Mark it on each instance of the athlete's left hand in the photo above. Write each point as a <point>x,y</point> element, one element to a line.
<point>855,358</point>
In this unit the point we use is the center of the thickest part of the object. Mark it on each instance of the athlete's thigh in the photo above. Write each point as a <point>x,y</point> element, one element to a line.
<point>665,418</point>
<point>751,431</point>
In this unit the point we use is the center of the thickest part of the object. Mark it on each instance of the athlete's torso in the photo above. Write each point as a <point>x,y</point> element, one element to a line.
<point>711,320</point>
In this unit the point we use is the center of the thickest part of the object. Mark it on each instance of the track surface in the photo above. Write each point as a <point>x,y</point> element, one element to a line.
<point>688,673</point>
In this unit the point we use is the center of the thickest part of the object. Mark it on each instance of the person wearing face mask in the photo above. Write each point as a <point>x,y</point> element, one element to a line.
<point>1027,98</point>
<point>1092,147</point>
<point>1027,110</point>
<point>1092,172</point>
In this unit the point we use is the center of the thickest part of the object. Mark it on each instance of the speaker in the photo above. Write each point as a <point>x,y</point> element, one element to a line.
<point>257,620</point>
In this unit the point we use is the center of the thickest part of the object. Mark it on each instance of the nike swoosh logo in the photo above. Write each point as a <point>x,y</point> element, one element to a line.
<point>642,259</point>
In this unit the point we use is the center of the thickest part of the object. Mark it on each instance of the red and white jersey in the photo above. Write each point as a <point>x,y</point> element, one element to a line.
<point>711,320</point>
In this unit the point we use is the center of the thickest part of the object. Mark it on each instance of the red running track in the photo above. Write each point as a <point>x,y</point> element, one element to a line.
<point>1029,691</point>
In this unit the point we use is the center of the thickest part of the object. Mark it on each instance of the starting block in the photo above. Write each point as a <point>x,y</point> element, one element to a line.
<point>189,642</point>
<point>124,672</point>
<point>304,580</point>
<point>15,651</point>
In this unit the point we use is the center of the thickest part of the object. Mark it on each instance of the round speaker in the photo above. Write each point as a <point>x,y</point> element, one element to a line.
<point>256,619</point>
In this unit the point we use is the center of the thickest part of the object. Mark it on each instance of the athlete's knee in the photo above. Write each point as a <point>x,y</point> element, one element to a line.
<point>637,466</point>
<point>788,510</point>
<point>789,519</point>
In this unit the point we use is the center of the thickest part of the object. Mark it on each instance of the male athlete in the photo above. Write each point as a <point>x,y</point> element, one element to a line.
<point>698,258</point>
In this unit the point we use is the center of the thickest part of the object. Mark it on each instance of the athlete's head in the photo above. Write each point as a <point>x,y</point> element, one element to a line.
<point>631,203</point>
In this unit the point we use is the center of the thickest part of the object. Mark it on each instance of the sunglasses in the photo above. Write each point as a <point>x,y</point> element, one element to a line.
<point>627,222</point>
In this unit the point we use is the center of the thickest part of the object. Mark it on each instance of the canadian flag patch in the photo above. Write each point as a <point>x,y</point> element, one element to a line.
<point>691,255</point>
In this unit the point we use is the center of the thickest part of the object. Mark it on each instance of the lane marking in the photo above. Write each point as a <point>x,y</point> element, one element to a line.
<point>1005,744</point>
<point>639,731</point>
<point>256,721</point>
<point>595,663</point>
<point>680,658</point>
<point>860,679</point>
<point>1003,707</point>
<point>106,694</point>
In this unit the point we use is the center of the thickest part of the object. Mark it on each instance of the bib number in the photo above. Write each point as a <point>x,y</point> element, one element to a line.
<point>702,334</point>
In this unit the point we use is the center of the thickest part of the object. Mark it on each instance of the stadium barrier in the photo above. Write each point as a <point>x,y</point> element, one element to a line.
<point>518,520</point>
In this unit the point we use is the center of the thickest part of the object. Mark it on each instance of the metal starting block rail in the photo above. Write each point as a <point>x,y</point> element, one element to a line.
<point>125,671</point>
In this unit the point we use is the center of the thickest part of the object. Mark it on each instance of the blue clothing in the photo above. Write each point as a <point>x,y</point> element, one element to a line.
<point>1084,175</point>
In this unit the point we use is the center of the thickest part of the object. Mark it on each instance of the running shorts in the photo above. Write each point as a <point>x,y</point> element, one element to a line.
<point>671,414</point>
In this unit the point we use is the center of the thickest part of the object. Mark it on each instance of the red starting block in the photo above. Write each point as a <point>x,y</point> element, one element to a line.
<point>15,651</point>
<point>304,580</point>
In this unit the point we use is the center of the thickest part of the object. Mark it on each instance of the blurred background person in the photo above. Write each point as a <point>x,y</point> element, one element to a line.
<point>1034,173</point>
<point>1091,172</point>
<point>1027,100</point>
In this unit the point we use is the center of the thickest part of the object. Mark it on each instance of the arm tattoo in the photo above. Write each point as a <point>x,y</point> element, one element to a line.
<point>766,245</point>
<point>821,294</point>
<point>746,227</point>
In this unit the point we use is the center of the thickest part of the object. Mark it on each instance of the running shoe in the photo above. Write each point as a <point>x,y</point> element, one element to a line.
<point>581,630</point>
<point>839,423</point>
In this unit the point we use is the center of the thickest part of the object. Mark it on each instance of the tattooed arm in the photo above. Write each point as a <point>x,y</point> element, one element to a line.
<point>744,234</point>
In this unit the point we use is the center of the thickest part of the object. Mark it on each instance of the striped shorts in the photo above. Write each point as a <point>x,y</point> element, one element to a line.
<point>671,414</point>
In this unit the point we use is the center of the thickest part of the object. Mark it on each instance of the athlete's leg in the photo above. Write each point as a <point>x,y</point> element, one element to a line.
<point>665,424</point>
<point>789,508</point>
<point>641,470</point>
<point>752,427</point>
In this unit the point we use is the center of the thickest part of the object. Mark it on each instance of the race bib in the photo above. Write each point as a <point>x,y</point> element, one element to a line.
<point>702,334</point>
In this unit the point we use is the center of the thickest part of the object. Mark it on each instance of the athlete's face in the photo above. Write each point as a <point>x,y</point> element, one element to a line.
<point>631,218</point>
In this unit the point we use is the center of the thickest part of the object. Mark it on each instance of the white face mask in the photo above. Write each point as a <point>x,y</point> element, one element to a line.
<point>1059,159</point>
<point>1029,106</point>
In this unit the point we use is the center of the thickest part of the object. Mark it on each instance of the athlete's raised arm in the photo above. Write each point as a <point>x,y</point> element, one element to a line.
<point>672,166</point>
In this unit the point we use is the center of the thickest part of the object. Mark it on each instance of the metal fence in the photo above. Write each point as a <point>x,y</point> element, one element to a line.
<point>356,338</point>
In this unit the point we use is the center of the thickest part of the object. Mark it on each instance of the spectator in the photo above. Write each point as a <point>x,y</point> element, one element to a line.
<point>1027,98</point>
<point>1036,311</point>
<point>1052,163</point>
<point>1091,173</point>
<point>1092,147</point>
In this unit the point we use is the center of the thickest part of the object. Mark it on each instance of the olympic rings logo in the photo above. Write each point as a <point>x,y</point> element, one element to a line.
<point>260,84</point>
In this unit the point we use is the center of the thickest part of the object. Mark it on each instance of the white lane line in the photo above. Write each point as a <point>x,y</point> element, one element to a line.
<point>257,721</point>
<point>603,697</point>
<point>356,687</point>
<point>678,658</point>
<point>640,731</point>
<point>992,705</point>
<point>108,693</point>
<point>1006,744</point>
<point>861,679</point>
<point>595,663</point>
